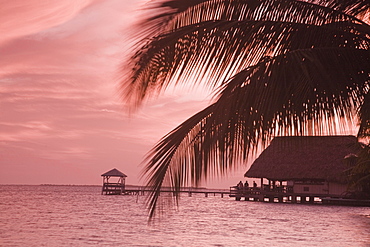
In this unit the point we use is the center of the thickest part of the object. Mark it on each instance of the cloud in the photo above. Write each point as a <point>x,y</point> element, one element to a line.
<point>60,107</point>
<point>19,18</point>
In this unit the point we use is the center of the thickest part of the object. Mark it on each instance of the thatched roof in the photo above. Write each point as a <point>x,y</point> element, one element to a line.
<point>305,157</point>
<point>114,173</point>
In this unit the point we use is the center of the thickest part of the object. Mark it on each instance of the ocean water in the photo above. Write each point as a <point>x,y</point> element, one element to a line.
<point>81,216</point>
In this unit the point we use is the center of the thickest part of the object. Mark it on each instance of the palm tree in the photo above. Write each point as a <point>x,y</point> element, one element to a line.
<point>359,173</point>
<point>278,67</point>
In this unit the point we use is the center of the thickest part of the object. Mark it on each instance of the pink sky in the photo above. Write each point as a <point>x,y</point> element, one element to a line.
<point>62,120</point>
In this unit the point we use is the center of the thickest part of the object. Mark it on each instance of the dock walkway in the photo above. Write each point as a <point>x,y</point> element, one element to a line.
<point>282,194</point>
<point>286,194</point>
<point>189,191</point>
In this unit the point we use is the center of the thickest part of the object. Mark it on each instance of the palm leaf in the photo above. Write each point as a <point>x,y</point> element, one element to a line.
<point>219,49</point>
<point>166,165</point>
<point>174,14</point>
<point>282,67</point>
<point>364,117</point>
<point>210,142</point>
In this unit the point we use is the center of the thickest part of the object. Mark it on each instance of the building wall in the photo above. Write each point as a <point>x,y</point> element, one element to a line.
<point>337,189</point>
<point>310,188</point>
<point>320,189</point>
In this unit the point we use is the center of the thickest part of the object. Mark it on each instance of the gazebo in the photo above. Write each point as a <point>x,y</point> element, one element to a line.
<point>113,188</point>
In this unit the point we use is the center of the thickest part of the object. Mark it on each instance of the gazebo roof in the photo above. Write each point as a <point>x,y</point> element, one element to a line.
<point>114,173</point>
<point>305,157</point>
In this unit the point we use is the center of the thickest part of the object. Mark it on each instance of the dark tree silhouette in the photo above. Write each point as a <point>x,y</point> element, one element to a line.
<point>359,173</point>
<point>278,67</point>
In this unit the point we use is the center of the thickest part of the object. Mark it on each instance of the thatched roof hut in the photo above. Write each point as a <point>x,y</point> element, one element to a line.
<point>114,173</point>
<point>305,158</point>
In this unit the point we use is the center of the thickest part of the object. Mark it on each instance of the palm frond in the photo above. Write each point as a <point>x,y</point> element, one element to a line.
<point>359,172</point>
<point>283,67</point>
<point>296,90</point>
<point>227,132</point>
<point>350,7</point>
<point>364,118</point>
<point>172,161</point>
<point>173,14</point>
<point>219,49</point>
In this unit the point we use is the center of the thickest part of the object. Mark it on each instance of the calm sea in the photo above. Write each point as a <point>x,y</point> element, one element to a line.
<point>81,216</point>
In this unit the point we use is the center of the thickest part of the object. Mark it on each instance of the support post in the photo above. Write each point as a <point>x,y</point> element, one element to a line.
<point>303,199</point>
<point>261,183</point>
<point>294,199</point>
<point>312,199</point>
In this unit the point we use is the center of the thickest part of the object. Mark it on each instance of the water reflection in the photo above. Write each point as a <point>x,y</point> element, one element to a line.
<point>81,216</point>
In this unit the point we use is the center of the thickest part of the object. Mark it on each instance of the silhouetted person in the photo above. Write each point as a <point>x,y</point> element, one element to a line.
<point>246,185</point>
<point>254,184</point>
<point>240,185</point>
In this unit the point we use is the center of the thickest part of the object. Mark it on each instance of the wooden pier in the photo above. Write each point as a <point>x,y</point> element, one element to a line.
<point>113,188</point>
<point>283,194</point>
<point>119,187</point>
<point>131,190</point>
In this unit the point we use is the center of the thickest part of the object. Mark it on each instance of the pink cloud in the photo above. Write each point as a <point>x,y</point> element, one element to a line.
<point>19,18</point>
<point>60,107</point>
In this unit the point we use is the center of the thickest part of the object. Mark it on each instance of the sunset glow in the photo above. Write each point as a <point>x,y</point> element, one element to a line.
<point>62,120</point>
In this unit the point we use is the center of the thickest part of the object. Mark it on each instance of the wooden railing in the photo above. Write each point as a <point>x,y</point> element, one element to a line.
<point>113,188</point>
<point>235,190</point>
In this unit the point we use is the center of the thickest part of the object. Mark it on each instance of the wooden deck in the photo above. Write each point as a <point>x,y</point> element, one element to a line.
<point>141,190</point>
<point>283,194</point>
<point>190,192</point>
<point>346,202</point>
<point>113,189</point>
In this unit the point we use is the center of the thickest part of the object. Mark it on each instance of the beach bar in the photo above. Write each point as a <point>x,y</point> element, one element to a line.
<point>113,188</point>
<point>301,169</point>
